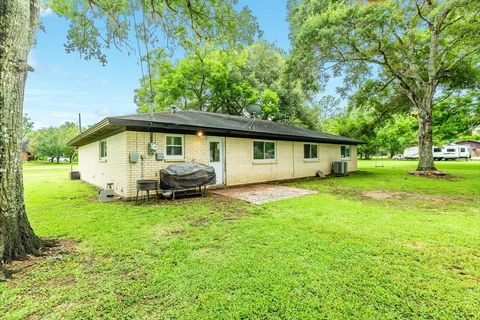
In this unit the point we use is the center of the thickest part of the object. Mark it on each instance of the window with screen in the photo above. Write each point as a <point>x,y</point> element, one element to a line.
<point>174,146</point>
<point>310,151</point>
<point>103,150</point>
<point>345,152</point>
<point>263,150</point>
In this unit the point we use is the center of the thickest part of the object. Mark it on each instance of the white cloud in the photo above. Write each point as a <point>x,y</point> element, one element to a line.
<point>103,112</point>
<point>39,125</point>
<point>46,12</point>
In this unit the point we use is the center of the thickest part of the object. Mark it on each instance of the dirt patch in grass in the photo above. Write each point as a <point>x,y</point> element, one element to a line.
<point>235,215</point>
<point>385,194</point>
<point>162,231</point>
<point>198,221</point>
<point>58,250</point>
<point>382,194</point>
<point>429,200</point>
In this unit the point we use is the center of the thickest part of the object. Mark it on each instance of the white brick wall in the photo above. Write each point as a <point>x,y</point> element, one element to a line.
<point>239,165</point>
<point>289,163</point>
<point>112,170</point>
<point>195,149</point>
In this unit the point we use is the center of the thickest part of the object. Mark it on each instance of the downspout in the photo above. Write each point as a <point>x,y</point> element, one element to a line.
<point>224,160</point>
<point>72,158</point>
<point>293,159</point>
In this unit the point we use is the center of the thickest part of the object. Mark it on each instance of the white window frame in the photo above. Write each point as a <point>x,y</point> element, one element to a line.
<point>349,152</point>
<point>175,157</point>
<point>100,156</point>
<point>309,144</point>
<point>264,160</point>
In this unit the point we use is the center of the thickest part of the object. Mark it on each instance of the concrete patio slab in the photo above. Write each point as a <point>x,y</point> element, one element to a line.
<point>261,193</point>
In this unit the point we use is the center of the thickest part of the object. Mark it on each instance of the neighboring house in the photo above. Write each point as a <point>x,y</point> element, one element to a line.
<point>121,150</point>
<point>471,143</point>
<point>26,155</point>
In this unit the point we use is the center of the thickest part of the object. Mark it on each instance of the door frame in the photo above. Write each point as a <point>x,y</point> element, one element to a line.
<point>222,155</point>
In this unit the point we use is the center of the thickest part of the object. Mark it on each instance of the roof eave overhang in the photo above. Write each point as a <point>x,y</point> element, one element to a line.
<point>101,130</point>
<point>110,126</point>
<point>135,125</point>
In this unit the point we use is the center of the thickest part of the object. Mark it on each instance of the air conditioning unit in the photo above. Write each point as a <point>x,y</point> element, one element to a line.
<point>339,168</point>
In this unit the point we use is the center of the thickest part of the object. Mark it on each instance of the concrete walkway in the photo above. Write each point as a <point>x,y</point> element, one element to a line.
<point>261,193</point>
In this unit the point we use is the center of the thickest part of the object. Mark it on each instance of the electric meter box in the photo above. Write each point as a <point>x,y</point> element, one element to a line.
<point>152,148</point>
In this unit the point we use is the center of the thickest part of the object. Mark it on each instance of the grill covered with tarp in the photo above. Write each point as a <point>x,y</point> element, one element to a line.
<point>186,175</point>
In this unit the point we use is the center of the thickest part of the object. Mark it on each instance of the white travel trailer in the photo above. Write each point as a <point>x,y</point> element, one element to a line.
<point>450,152</point>
<point>410,153</point>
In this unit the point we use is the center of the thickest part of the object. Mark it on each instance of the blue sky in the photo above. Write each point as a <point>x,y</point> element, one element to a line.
<point>63,85</point>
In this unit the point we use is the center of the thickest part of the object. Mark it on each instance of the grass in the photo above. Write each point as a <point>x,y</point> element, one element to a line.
<point>335,254</point>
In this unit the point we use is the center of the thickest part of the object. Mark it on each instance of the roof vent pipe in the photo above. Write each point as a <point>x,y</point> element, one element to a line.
<point>174,109</point>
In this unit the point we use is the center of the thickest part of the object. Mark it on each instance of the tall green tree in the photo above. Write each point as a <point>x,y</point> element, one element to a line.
<point>358,124</point>
<point>421,47</point>
<point>456,117</point>
<point>227,80</point>
<point>397,134</point>
<point>27,125</point>
<point>94,26</point>
<point>52,141</point>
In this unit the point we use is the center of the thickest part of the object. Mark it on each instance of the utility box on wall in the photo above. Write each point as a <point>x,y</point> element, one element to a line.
<point>159,156</point>
<point>133,157</point>
<point>152,148</point>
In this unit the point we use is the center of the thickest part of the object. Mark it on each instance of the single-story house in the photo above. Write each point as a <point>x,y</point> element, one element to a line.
<point>124,149</point>
<point>475,145</point>
<point>26,155</point>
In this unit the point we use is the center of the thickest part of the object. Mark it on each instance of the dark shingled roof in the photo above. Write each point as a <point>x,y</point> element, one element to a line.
<point>207,122</point>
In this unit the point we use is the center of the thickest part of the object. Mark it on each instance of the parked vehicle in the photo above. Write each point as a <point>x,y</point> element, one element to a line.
<point>410,153</point>
<point>60,159</point>
<point>452,152</point>
<point>449,152</point>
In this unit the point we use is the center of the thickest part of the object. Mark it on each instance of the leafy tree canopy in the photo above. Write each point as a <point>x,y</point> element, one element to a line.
<point>27,125</point>
<point>227,81</point>
<point>420,49</point>
<point>52,141</point>
<point>99,24</point>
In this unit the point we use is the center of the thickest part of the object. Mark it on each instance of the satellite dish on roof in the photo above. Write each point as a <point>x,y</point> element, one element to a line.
<point>254,110</point>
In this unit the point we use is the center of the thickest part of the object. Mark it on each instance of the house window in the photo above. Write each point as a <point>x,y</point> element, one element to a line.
<point>263,150</point>
<point>310,151</point>
<point>462,149</point>
<point>345,152</point>
<point>174,146</point>
<point>450,150</point>
<point>437,149</point>
<point>103,150</point>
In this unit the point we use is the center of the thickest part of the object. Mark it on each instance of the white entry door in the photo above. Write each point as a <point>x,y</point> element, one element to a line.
<point>216,157</point>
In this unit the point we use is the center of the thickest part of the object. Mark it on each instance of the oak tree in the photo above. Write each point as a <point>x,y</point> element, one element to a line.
<point>423,47</point>
<point>94,26</point>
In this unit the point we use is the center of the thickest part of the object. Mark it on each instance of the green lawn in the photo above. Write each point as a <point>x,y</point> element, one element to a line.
<point>336,254</point>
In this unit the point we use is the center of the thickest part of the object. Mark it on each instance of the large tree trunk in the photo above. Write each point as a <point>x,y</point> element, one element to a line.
<point>18,21</point>
<point>425,107</point>
<point>425,138</point>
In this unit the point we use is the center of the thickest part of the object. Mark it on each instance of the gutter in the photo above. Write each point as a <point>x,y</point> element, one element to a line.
<point>147,126</point>
<point>100,125</point>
